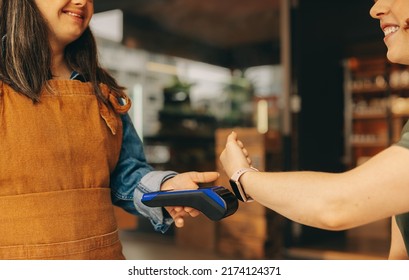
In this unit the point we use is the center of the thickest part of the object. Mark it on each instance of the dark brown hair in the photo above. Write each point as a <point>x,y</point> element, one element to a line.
<point>26,54</point>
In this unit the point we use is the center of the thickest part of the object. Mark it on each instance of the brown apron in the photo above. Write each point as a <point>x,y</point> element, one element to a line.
<point>56,157</point>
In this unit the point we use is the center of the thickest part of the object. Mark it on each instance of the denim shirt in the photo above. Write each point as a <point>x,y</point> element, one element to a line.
<point>133,177</point>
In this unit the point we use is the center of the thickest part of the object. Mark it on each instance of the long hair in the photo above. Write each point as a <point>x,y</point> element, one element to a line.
<point>25,52</point>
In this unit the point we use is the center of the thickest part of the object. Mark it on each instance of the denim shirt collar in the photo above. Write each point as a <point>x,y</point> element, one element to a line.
<point>77,76</point>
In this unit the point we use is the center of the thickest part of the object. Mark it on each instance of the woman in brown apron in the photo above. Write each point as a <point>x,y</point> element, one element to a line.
<point>68,149</point>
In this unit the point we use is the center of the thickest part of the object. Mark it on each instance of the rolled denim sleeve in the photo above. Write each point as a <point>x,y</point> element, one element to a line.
<point>133,177</point>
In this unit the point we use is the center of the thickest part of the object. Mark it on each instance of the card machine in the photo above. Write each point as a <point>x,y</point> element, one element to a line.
<point>215,202</point>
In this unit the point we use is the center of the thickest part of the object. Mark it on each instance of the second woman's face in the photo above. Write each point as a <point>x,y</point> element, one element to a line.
<point>67,19</point>
<point>394,22</point>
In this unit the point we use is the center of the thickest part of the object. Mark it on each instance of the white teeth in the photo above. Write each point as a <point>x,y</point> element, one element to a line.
<point>390,29</point>
<point>74,15</point>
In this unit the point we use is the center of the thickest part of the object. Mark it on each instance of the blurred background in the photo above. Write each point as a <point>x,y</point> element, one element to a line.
<point>305,83</point>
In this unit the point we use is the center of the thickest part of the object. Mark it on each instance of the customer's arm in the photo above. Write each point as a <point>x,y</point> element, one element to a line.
<point>377,189</point>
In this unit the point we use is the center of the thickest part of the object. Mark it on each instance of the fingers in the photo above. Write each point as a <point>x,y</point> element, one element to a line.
<point>174,211</point>
<point>192,212</point>
<point>246,154</point>
<point>179,222</point>
<point>178,209</point>
<point>178,213</point>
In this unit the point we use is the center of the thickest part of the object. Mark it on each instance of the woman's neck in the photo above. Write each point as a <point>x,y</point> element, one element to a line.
<point>59,67</point>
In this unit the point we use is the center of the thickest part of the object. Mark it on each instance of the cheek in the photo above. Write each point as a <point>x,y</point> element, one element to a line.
<point>90,10</point>
<point>404,47</point>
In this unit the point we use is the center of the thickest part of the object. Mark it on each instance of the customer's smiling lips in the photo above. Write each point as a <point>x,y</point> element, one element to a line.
<point>76,14</point>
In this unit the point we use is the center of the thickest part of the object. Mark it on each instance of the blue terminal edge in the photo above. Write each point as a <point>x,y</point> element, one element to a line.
<point>149,196</point>
<point>208,191</point>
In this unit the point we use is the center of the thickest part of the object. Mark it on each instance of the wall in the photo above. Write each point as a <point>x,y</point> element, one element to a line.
<point>324,33</point>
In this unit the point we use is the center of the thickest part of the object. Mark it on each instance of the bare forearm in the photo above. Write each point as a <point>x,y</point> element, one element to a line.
<point>375,190</point>
<point>324,200</point>
<point>310,198</point>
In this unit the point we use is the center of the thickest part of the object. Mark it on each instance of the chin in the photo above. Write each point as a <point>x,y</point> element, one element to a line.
<point>399,59</point>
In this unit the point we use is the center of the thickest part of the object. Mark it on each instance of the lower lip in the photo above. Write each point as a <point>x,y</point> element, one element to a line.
<point>77,19</point>
<point>389,36</point>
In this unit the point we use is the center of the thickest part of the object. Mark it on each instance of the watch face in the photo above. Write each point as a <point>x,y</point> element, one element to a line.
<point>236,190</point>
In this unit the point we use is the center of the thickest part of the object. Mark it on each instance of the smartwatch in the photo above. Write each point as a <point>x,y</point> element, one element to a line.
<point>237,187</point>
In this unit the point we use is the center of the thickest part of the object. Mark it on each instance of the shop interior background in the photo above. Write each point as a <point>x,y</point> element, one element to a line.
<point>294,78</point>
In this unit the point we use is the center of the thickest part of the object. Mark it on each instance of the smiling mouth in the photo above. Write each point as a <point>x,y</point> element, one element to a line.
<point>390,30</point>
<point>74,15</point>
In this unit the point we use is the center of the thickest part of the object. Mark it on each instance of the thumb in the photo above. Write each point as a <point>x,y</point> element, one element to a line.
<point>203,177</point>
<point>232,137</point>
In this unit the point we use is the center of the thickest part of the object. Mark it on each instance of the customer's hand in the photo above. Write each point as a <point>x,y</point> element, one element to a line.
<point>234,155</point>
<point>186,181</point>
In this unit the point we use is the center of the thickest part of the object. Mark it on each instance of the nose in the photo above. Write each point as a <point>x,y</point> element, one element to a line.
<point>380,8</point>
<point>79,2</point>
